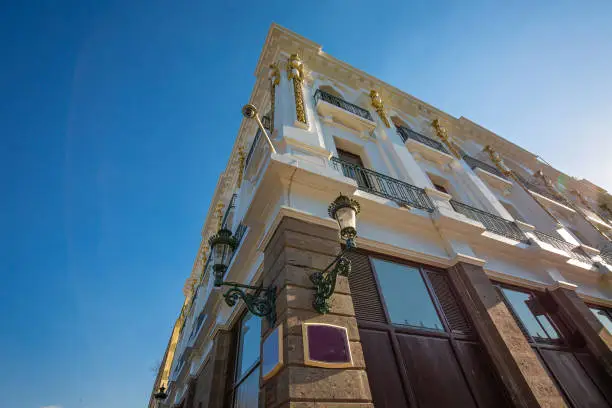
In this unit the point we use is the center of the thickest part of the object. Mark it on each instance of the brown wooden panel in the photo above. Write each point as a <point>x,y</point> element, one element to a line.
<point>483,381</point>
<point>574,381</point>
<point>597,374</point>
<point>366,300</point>
<point>381,366</point>
<point>455,317</point>
<point>434,373</point>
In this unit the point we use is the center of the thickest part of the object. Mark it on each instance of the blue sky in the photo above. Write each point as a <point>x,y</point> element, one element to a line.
<point>116,119</point>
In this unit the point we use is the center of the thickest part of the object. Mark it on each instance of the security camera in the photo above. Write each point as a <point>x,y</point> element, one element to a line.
<point>249,111</point>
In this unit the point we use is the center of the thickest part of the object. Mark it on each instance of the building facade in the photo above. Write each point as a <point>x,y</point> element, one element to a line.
<point>482,276</point>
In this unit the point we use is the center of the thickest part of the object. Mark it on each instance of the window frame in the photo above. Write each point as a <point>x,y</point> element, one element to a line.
<point>422,271</point>
<point>607,311</point>
<point>235,380</point>
<point>561,341</point>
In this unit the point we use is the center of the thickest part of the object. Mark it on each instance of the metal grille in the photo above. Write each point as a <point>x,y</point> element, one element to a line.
<point>543,191</point>
<point>406,134</point>
<point>230,207</point>
<point>473,163</point>
<point>491,222</point>
<point>265,121</point>
<point>341,103</point>
<point>606,255</point>
<point>253,146</point>
<point>384,186</point>
<point>571,249</point>
<point>455,317</point>
<point>366,299</point>
<point>266,124</point>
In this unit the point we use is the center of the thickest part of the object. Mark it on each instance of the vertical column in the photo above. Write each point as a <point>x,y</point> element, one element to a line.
<point>296,250</point>
<point>219,369</point>
<point>525,379</point>
<point>472,183</point>
<point>598,339</point>
<point>401,158</point>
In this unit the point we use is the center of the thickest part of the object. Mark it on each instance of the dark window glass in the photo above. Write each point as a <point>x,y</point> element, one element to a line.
<point>440,188</point>
<point>250,337</point>
<point>350,157</point>
<point>246,381</point>
<point>406,297</point>
<point>526,307</point>
<point>603,317</point>
<point>246,394</point>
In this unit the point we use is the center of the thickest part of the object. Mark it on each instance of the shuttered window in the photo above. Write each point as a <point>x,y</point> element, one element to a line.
<point>413,296</point>
<point>366,300</point>
<point>405,295</point>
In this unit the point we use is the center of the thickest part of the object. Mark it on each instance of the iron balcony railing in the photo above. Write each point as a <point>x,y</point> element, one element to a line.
<point>473,163</point>
<point>542,190</point>
<point>406,134</point>
<point>230,207</point>
<point>493,223</point>
<point>384,186</point>
<point>571,249</point>
<point>341,103</point>
<point>266,123</point>
<point>606,255</point>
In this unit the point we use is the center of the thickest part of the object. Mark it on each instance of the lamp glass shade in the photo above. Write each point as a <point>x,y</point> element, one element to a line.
<point>346,217</point>
<point>222,247</point>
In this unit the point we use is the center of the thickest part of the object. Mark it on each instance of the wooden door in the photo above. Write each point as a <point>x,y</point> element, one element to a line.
<point>420,349</point>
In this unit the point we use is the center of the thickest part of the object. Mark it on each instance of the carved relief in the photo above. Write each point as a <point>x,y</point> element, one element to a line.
<point>379,105</point>
<point>295,72</point>
<point>442,133</point>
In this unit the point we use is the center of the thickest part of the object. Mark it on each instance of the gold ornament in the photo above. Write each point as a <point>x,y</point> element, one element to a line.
<point>443,135</point>
<point>295,72</point>
<point>379,105</point>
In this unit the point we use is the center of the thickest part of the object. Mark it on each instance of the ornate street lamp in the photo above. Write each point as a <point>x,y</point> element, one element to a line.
<point>160,395</point>
<point>261,301</point>
<point>344,210</point>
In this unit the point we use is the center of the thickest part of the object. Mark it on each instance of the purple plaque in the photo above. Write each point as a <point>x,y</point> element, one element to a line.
<point>326,345</point>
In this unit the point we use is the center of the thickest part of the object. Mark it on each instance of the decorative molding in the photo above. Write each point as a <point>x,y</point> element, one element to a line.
<point>274,76</point>
<point>295,72</point>
<point>442,133</point>
<point>379,105</point>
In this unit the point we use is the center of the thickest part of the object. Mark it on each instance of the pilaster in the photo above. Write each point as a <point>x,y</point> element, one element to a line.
<point>525,379</point>
<point>598,340</point>
<point>296,250</point>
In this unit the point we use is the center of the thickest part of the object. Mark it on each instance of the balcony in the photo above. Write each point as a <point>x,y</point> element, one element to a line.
<point>572,250</point>
<point>430,149</point>
<point>475,163</point>
<point>343,112</point>
<point>384,186</point>
<point>488,173</point>
<point>492,223</point>
<point>543,191</point>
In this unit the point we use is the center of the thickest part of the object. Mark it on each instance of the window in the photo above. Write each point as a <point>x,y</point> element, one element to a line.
<point>406,296</point>
<point>530,314</point>
<point>578,235</point>
<point>604,316</point>
<point>245,388</point>
<point>440,188</point>
<point>354,168</point>
<point>513,211</point>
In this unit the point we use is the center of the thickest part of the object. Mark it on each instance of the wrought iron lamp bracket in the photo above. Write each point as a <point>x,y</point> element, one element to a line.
<point>325,282</point>
<point>261,302</point>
